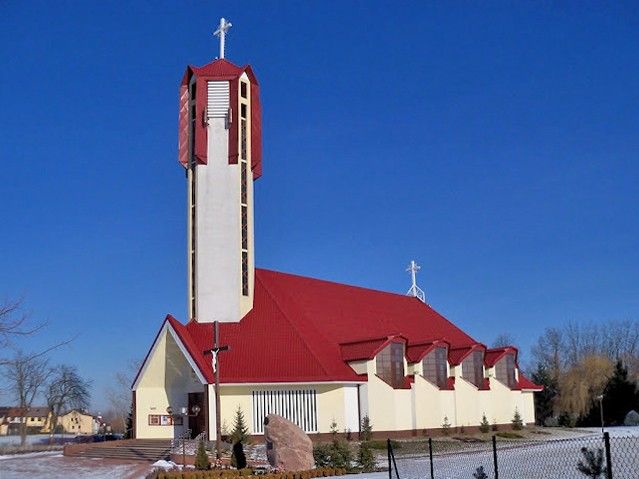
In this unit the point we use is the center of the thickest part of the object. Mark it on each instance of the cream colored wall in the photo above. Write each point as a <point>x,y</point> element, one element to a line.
<point>527,406</point>
<point>166,381</point>
<point>467,403</point>
<point>330,405</point>
<point>424,406</point>
<point>432,404</point>
<point>388,409</point>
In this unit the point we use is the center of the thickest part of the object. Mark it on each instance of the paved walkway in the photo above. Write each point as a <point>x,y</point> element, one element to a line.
<point>54,465</point>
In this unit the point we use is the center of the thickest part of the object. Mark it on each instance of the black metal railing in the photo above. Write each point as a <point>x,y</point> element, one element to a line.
<point>593,456</point>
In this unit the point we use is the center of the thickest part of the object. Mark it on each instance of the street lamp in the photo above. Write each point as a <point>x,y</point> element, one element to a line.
<point>600,399</point>
<point>184,411</point>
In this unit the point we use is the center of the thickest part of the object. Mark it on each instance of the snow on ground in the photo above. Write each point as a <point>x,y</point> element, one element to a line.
<point>545,458</point>
<point>53,465</point>
<point>551,459</point>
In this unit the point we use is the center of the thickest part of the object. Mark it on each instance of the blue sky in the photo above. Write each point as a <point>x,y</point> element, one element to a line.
<point>496,145</point>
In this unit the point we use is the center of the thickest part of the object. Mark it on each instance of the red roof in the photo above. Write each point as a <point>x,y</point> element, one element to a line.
<point>221,69</point>
<point>456,355</point>
<point>305,330</point>
<point>493,355</point>
<point>417,351</point>
<point>367,348</point>
<point>527,384</point>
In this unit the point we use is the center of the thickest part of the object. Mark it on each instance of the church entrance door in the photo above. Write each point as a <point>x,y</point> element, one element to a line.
<point>197,424</point>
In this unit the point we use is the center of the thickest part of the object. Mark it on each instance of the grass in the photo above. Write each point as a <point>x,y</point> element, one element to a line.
<point>381,444</point>
<point>509,435</point>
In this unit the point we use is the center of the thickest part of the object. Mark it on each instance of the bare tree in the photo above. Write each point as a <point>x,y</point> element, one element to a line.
<point>14,323</point>
<point>66,389</point>
<point>502,340</point>
<point>549,351</point>
<point>119,392</point>
<point>25,375</point>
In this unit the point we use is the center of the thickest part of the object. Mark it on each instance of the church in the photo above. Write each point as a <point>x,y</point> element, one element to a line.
<point>313,351</point>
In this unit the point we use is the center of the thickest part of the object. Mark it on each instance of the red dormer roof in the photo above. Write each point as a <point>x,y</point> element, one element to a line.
<point>457,354</point>
<point>417,352</point>
<point>493,355</point>
<point>367,348</point>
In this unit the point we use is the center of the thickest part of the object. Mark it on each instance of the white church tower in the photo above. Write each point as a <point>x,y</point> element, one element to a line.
<point>220,147</point>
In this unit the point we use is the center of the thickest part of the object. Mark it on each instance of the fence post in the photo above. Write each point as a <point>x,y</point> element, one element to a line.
<point>430,454</point>
<point>495,457</point>
<point>390,465</point>
<point>608,461</point>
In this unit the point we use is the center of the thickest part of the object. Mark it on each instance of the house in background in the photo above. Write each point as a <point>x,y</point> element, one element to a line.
<point>37,419</point>
<point>78,422</point>
<point>4,424</point>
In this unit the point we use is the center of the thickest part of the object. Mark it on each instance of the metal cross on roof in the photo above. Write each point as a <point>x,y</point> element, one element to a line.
<point>221,32</point>
<point>415,290</point>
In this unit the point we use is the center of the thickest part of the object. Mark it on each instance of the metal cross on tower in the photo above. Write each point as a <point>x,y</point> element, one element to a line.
<point>415,290</point>
<point>221,32</point>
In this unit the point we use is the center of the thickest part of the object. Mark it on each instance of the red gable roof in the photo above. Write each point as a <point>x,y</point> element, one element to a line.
<point>417,352</point>
<point>493,355</point>
<point>303,330</point>
<point>456,355</point>
<point>527,385</point>
<point>367,348</point>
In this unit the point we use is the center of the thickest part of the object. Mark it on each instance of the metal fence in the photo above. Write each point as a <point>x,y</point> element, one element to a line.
<point>595,456</point>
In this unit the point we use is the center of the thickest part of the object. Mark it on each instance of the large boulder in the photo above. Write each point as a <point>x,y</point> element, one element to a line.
<point>288,448</point>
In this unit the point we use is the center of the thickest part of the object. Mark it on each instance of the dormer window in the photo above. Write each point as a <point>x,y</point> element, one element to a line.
<point>505,371</point>
<point>473,368</point>
<point>390,364</point>
<point>435,367</point>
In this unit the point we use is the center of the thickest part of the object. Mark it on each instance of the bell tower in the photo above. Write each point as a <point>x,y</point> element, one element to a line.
<point>220,147</point>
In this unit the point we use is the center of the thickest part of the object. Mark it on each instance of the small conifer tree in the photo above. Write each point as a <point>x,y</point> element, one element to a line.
<point>484,425</point>
<point>446,426</point>
<point>238,458</point>
<point>240,430</point>
<point>365,456</point>
<point>480,473</point>
<point>495,427</point>
<point>340,452</point>
<point>592,465</point>
<point>201,458</point>
<point>128,427</point>
<point>517,422</point>
<point>366,429</point>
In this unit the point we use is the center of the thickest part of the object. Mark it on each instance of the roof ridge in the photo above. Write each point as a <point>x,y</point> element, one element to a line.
<point>377,291</point>
<point>292,324</point>
<point>380,291</point>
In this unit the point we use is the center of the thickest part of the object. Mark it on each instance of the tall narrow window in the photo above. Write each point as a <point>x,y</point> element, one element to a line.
<point>390,364</point>
<point>505,370</point>
<point>244,201</point>
<point>435,366</point>
<point>473,368</point>
<point>191,177</point>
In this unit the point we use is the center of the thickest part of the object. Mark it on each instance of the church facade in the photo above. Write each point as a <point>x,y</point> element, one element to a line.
<point>314,351</point>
